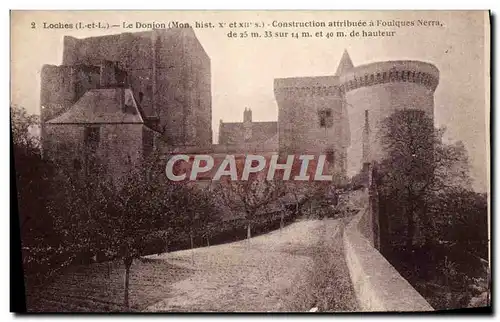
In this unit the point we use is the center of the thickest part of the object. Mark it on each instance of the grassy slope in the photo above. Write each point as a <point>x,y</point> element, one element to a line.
<point>293,270</point>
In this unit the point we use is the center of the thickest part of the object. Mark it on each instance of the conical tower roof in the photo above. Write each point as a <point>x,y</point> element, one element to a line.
<point>345,64</point>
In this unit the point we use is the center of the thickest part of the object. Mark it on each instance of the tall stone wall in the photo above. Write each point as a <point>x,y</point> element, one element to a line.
<point>186,66</point>
<point>120,147</point>
<point>377,284</point>
<point>133,51</point>
<point>301,103</point>
<point>381,89</point>
<point>56,90</point>
<point>61,87</point>
<point>168,71</point>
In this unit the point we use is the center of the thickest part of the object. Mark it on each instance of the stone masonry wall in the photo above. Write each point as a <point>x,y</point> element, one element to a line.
<point>120,146</point>
<point>377,284</point>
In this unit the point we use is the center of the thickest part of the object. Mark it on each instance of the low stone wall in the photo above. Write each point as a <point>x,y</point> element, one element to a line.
<point>378,285</point>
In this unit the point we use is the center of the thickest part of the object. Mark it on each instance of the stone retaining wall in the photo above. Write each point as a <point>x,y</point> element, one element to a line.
<point>377,284</point>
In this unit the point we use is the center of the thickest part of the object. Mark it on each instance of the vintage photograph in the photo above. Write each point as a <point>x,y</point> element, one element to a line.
<point>251,161</point>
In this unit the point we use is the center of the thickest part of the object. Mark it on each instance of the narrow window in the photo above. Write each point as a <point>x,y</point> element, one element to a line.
<point>77,165</point>
<point>92,137</point>
<point>322,121</point>
<point>330,156</point>
<point>325,118</point>
<point>91,142</point>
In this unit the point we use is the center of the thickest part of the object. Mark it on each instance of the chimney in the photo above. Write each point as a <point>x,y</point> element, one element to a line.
<point>247,124</point>
<point>247,115</point>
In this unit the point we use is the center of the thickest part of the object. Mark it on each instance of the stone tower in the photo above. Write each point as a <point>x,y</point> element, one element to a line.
<point>168,72</point>
<point>374,91</point>
<point>340,115</point>
<point>312,117</point>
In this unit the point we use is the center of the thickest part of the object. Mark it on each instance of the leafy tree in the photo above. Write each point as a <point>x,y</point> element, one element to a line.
<point>33,176</point>
<point>417,164</point>
<point>23,128</point>
<point>461,219</point>
<point>427,204</point>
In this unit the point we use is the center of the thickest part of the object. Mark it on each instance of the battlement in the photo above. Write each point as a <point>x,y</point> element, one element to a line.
<point>308,86</point>
<point>410,71</point>
<point>324,112</point>
<point>371,74</point>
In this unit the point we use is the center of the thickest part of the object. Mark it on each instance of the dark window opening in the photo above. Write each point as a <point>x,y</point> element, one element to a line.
<point>325,118</point>
<point>92,137</point>
<point>330,156</point>
<point>141,97</point>
<point>77,165</point>
<point>91,141</point>
<point>147,143</point>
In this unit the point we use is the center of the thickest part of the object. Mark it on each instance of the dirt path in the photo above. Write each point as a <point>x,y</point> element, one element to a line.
<point>291,270</point>
<point>256,275</point>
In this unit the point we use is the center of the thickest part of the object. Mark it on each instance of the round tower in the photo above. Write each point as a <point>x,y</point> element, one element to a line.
<point>373,92</point>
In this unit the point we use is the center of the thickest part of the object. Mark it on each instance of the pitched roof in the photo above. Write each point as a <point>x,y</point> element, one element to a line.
<point>345,64</point>
<point>110,105</point>
<point>233,133</point>
<point>262,131</point>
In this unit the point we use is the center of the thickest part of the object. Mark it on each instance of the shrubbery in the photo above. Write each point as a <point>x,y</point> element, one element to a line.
<point>433,226</point>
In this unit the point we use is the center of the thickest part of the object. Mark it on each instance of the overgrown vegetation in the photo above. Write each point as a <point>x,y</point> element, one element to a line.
<point>433,227</point>
<point>327,285</point>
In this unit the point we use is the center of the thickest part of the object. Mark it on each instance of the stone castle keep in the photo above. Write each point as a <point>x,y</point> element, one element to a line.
<point>117,98</point>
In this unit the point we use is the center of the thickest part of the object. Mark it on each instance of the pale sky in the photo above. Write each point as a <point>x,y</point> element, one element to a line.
<point>243,70</point>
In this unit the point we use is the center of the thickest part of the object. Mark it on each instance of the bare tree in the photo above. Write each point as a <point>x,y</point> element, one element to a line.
<point>118,218</point>
<point>195,210</point>
<point>251,197</point>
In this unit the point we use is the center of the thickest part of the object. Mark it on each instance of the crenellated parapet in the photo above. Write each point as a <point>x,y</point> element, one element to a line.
<point>326,113</point>
<point>306,91</point>
<point>307,86</point>
<point>417,72</point>
<point>404,71</point>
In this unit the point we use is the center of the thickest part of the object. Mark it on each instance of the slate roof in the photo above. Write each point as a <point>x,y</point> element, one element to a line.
<point>345,64</point>
<point>102,106</point>
<point>233,133</point>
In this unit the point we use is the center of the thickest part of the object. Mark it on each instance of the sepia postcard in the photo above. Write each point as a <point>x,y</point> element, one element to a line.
<point>250,161</point>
